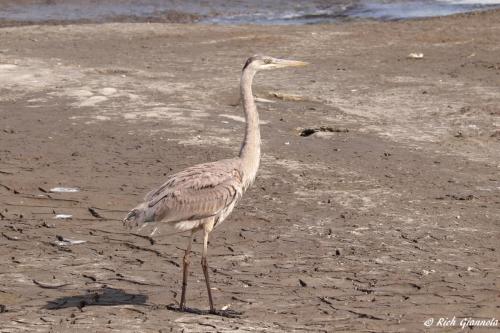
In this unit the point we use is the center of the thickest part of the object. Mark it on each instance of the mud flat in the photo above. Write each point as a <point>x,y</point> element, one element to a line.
<point>386,215</point>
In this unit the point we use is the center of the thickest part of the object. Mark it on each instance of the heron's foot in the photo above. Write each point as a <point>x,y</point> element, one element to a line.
<point>221,313</point>
<point>226,313</point>
<point>178,308</point>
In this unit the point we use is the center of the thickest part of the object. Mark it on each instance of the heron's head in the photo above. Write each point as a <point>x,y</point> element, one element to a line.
<point>260,62</point>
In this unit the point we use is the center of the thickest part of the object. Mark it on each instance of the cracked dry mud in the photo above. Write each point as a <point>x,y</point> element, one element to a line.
<point>374,229</point>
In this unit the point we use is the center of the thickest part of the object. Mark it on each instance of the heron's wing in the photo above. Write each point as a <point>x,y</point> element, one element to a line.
<point>198,192</point>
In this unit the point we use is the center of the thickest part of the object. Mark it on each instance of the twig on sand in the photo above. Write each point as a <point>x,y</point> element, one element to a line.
<point>9,188</point>
<point>48,285</point>
<point>94,213</point>
<point>359,314</point>
<point>11,238</point>
<point>221,313</point>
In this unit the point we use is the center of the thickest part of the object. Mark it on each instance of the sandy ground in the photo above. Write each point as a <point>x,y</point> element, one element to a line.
<point>389,220</point>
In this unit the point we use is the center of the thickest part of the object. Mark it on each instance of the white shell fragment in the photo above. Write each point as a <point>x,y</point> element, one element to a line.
<point>66,241</point>
<point>415,55</point>
<point>63,216</point>
<point>64,190</point>
<point>153,232</point>
<point>225,307</point>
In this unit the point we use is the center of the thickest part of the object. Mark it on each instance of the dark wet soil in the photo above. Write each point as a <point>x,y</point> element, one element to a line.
<point>375,228</point>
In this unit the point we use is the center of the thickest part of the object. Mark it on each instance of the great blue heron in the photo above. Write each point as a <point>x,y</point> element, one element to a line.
<point>202,196</point>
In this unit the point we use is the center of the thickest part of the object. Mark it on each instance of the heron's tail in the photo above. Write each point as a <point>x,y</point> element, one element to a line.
<point>139,215</point>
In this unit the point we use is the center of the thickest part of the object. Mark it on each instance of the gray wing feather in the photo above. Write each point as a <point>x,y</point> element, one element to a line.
<point>198,192</point>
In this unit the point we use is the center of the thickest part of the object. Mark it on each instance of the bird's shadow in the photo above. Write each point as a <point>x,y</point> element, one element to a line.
<point>220,313</point>
<point>102,297</point>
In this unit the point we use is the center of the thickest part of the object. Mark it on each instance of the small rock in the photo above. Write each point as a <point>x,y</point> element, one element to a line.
<point>415,56</point>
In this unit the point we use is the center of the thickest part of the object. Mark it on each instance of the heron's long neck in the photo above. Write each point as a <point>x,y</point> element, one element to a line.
<point>250,149</point>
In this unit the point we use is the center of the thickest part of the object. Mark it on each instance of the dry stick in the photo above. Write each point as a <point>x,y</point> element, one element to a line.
<point>30,196</point>
<point>110,232</point>
<point>135,310</point>
<point>6,187</point>
<point>149,238</point>
<point>126,233</point>
<point>131,233</point>
<point>240,300</point>
<point>359,314</point>
<point>49,286</point>
<point>94,213</point>
<point>135,282</point>
<point>158,253</point>
<point>36,206</point>
<point>10,238</point>
<point>111,210</point>
<point>93,278</point>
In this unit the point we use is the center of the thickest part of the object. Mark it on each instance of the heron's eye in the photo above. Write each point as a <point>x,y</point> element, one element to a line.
<point>267,61</point>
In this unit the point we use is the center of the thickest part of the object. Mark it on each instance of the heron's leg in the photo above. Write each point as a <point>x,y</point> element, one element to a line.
<point>185,266</point>
<point>204,264</point>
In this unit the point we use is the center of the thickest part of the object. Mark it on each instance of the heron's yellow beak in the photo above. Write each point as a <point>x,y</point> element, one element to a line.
<point>281,63</point>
